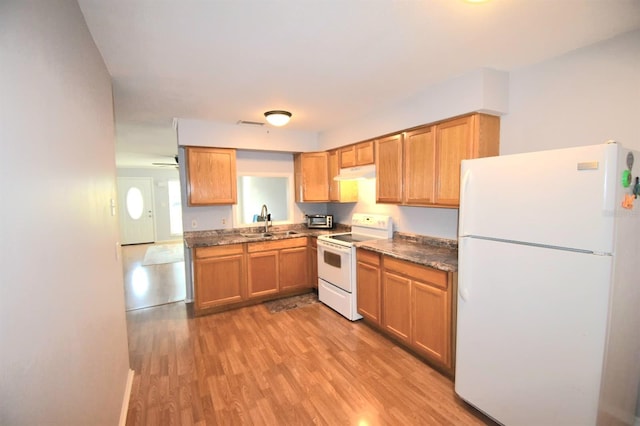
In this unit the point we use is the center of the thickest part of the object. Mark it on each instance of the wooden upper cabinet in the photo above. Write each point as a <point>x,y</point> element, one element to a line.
<point>454,145</point>
<point>389,169</point>
<point>468,137</point>
<point>211,176</point>
<point>419,166</point>
<point>357,155</point>
<point>428,173</point>
<point>340,191</point>
<point>312,176</point>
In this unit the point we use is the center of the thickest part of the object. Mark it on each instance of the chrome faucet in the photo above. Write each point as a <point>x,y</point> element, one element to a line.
<point>264,214</point>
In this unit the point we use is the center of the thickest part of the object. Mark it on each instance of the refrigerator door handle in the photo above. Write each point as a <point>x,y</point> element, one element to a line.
<point>464,294</point>
<point>463,195</point>
<point>463,291</point>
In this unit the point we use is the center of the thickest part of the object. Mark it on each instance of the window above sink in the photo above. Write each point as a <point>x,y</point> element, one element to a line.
<point>275,190</point>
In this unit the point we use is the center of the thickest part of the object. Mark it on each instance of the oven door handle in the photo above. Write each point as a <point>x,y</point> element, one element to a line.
<point>333,247</point>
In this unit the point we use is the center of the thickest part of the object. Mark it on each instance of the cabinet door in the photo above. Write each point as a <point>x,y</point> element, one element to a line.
<point>219,280</point>
<point>313,262</point>
<point>348,156</point>
<point>263,273</point>
<point>453,144</point>
<point>431,319</point>
<point>368,277</point>
<point>389,169</point>
<point>396,316</point>
<point>364,153</point>
<point>294,268</point>
<point>340,191</point>
<point>419,166</point>
<point>211,176</point>
<point>312,177</point>
<point>334,170</point>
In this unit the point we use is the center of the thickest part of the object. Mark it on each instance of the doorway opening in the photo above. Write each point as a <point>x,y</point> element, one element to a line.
<point>153,265</point>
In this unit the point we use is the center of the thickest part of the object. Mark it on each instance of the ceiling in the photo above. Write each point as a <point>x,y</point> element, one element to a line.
<point>329,62</point>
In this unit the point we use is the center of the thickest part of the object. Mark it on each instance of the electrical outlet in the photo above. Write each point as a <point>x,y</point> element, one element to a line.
<point>224,221</point>
<point>194,223</point>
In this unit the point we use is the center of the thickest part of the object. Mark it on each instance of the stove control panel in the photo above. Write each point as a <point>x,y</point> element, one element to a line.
<point>371,221</point>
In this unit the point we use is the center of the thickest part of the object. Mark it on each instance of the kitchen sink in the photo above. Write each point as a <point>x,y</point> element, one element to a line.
<point>268,234</point>
<point>285,233</point>
<point>257,235</point>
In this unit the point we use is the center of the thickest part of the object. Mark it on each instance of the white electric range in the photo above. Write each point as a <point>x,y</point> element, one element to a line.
<point>337,261</point>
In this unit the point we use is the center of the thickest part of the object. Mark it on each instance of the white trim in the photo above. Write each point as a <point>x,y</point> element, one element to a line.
<point>125,399</point>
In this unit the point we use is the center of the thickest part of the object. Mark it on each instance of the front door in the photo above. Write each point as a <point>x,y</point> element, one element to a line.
<point>135,198</point>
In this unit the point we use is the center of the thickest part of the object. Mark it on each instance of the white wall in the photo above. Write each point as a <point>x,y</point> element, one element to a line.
<point>63,342</point>
<point>584,97</point>
<point>480,90</point>
<point>435,222</point>
<point>161,177</point>
<point>483,90</point>
<point>241,136</point>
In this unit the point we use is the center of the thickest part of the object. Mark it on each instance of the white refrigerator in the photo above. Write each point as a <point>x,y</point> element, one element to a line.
<point>548,312</point>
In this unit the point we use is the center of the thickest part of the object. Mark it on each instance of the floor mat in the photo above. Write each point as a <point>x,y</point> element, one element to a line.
<point>291,302</point>
<point>164,253</point>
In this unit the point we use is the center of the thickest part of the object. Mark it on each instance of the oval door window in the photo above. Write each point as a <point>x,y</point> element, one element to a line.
<point>135,203</point>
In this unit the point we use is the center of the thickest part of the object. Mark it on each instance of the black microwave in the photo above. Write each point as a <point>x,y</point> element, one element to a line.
<point>323,221</point>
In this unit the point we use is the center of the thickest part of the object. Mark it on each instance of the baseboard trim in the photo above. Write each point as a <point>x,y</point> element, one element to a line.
<point>125,399</point>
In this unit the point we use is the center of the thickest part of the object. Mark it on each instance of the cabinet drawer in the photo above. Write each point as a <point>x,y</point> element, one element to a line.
<point>277,245</point>
<point>416,272</point>
<point>204,252</point>
<point>368,257</point>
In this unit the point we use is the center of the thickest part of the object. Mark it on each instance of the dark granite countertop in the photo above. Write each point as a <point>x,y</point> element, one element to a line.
<point>219,237</point>
<point>436,253</point>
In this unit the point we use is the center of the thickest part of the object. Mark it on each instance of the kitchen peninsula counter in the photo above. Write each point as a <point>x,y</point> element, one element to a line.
<point>437,253</point>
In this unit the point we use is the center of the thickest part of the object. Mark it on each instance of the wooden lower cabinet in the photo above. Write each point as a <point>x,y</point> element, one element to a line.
<point>431,321</point>
<point>416,304</point>
<point>313,261</point>
<point>396,292</point>
<point>369,286</point>
<point>241,274</point>
<point>294,271</point>
<point>263,273</point>
<point>219,274</point>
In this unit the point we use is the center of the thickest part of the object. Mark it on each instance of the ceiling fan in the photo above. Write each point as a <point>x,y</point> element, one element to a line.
<point>175,164</point>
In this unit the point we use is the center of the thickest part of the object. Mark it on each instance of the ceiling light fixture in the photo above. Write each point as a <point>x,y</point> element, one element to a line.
<point>278,118</point>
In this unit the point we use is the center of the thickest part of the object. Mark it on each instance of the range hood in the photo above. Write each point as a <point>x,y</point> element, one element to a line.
<point>359,172</point>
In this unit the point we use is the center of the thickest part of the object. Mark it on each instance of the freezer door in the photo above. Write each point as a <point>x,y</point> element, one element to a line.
<point>531,332</point>
<point>563,198</point>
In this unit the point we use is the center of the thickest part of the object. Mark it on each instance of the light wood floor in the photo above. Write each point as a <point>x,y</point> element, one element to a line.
<point>304,366</point>
<point>150,285</point>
